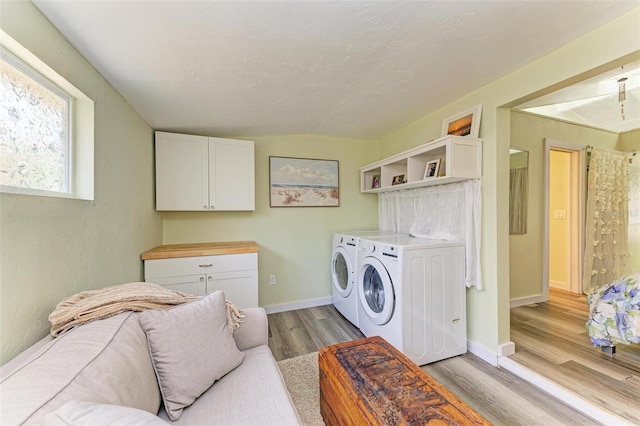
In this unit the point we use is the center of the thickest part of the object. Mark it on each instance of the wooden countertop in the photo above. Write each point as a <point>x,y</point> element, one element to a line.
<point>200,249</point>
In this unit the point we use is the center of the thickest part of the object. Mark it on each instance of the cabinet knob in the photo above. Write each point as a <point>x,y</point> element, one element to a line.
<point>209,278</point>
<point>201,279</point>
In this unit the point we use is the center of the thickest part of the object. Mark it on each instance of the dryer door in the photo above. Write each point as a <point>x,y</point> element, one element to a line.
<point>375,289</point>
<point>342,272</point>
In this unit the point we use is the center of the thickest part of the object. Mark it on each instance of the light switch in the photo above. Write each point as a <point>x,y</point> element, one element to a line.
<point>560,214</point>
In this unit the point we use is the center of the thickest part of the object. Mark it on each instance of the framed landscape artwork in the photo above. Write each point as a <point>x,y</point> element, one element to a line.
<point>303,182</point>
<point>466,123</point>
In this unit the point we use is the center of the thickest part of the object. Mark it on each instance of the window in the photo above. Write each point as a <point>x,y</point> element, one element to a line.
<point>35,139</point>
<point>46,127</point>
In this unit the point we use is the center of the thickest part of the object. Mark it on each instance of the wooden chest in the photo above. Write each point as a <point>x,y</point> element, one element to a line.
<point>369,382</point>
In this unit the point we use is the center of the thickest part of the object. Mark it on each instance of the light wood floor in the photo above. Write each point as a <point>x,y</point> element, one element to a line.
<point>500,396</point>
<point>551,339</point>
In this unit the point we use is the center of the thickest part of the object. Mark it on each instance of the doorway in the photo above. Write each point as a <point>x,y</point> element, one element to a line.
<point>564,216</point>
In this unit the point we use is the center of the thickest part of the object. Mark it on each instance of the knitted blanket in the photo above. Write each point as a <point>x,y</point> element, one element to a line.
<point>106,302</point>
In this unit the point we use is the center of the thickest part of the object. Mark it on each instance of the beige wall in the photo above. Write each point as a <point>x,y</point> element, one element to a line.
<point>559,236</point>
<point>294,242</point>
<point>52,247</point>
<point>629,141</point>
<point>612,44</point>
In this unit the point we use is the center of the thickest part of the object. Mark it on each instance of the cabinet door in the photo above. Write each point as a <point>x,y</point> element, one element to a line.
<point>190,284</point>
<point>240,288</point>
<point>231,174</point>
<point>182,172</point>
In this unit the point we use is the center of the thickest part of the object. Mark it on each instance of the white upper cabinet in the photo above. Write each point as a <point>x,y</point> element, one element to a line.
<point>204,173</point>
<point>444,160</point>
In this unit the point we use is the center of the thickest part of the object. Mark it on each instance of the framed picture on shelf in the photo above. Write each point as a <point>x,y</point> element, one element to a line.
<point>376,182</point>
<point>431,169</point>
<point>466,123</point>
<point>397,180</point>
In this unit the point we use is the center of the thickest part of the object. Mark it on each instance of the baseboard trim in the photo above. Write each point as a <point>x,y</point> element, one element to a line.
<point>529,300</point>
<point>483,353</point>
<point>506,349</point>
<point>561,393</point>
<point>301,304</point>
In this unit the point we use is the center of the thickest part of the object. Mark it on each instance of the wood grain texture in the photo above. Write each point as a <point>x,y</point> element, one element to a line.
<point>170,251</point>
<point>368,381</point>
<point>551,339</point>
<point>495,393</point>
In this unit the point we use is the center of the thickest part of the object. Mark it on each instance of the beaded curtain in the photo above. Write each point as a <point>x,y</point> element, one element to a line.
<point>607,222</point>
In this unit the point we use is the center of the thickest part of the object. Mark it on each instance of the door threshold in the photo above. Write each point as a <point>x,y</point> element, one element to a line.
<point>561,393</point>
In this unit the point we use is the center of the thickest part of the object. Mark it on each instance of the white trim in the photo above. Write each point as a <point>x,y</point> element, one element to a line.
<point>506,349</point>
<point>561,393</point>
<point>483,353</point>
<point>529,300</point>
<point>559,285</point>
<point>301,304</point>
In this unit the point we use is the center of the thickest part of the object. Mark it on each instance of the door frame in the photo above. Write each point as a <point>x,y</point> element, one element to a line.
<point>576,215</point>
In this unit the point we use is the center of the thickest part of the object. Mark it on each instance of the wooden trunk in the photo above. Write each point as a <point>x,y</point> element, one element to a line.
<point>369,382</point>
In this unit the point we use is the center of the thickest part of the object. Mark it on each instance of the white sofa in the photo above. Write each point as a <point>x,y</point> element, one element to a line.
<point>106,372</point>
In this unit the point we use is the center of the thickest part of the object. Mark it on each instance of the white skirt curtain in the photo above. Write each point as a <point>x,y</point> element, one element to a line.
<point>606,255</point>
<point>449,212</point>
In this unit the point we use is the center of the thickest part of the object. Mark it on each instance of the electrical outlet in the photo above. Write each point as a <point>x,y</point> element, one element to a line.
<point>272,279</point>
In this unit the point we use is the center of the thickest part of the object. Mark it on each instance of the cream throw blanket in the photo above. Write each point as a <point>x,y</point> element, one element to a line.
<point>106,302</point>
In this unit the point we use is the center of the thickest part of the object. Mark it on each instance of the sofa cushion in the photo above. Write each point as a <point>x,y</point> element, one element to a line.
<point>84,413</point>
<point>105,361</point>
<point>252,394</point>
<point>191,347</point>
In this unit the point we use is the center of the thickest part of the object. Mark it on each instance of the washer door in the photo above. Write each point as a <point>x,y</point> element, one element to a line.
<point>342,272</point>
<point>376,291</point>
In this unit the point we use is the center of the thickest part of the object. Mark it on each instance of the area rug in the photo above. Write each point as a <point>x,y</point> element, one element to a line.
<point>301,375</point>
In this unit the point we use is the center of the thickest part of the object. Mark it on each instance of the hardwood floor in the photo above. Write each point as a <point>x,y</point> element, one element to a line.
<point>500,396</point>
<point>551,339</point>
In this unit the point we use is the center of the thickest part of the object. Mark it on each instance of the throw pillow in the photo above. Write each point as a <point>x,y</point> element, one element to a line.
<point>191,347</point>
<point>84,413</point>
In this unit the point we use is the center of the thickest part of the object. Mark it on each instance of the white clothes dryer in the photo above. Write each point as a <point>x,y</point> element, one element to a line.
<point>411,292</point>
<point>344,271</point>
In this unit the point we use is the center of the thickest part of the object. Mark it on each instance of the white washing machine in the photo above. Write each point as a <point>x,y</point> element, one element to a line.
<point>344,271</point>
<point>411,292</point>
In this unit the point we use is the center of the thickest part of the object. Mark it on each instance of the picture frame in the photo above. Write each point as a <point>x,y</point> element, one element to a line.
<point>397,180</point>
<point>303,182</point>
<point>431,169</point>
<point>465,123</point>
<point>375,182</point>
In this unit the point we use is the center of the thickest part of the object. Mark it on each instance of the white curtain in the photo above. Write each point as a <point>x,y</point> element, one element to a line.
<point>451,212</point>
<point>606,255</point>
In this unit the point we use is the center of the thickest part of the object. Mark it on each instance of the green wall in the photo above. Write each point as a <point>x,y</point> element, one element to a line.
<point>54,247</point>
<point>294,242</point>
<point>607,47</point>
<point>528,132</point>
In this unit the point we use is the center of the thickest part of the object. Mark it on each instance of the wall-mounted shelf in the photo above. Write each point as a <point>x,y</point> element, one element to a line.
<point>460,159</point>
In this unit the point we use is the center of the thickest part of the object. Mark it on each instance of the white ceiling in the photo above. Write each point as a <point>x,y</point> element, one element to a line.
<point>358,69</point>
<point>594,102</point>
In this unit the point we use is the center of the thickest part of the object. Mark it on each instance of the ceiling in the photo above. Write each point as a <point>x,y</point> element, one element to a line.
<point>594,102</point>
<point>355,69</point>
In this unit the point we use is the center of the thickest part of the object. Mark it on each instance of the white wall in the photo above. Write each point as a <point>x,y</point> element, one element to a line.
<point>52,247</point>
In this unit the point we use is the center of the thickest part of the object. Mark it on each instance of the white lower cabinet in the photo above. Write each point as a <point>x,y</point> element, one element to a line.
<point>235,274</point>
